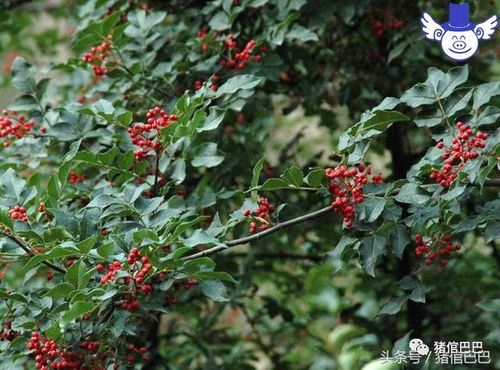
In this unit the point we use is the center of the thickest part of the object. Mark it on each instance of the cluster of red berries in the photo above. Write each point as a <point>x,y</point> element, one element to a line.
<point>241,58</point>
<point>97,57</point>
<point>48,355</point>
<point>261,215</point>
<point>7,333</point>
<point>18,213</point>
<point>139,269</point>
<point>12,124</point>
<point>441,248</point>
<point>383,20</point>
<point>91,346</point>
<point>379,27</point>
<point>143,135</point>
<point>171,296</point>
<point>458,154</point>
<point>141,351</point>
<point>205,41</point>
<point>112,270</point>
<point>74,178</point>
<point>214,86</point>
<point>347,186</point>
<point>51,356</point>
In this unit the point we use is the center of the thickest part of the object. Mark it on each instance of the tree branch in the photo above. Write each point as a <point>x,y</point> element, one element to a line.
<point>282,256</point>
<point>492,182</point>
<point>31,253</point>
<point>263,234</point>
<point>279,226</point>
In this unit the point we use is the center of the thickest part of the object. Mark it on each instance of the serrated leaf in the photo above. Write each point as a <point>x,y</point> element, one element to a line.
<point>273,184</point>
<point>215,290</point>
<point>411,194</point>
<point>400,238</point>
<point>393,306</point>
<point>293,176</point>
<point>483,93</point>
<point>241,82</point>
<point>371,249</point>
<point>23,75</point>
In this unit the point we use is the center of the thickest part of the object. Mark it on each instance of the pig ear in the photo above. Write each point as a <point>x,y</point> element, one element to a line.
<point>486,29</point>
<point>432,30</point>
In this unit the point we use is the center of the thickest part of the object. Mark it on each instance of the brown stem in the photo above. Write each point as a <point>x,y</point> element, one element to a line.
<point>251,238</point>
<point>31,253</point>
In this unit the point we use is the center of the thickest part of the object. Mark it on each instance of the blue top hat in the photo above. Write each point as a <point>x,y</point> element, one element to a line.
<point>458,18</point>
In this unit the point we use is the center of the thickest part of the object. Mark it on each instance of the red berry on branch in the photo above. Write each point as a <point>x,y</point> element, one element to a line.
<point>455,156</point>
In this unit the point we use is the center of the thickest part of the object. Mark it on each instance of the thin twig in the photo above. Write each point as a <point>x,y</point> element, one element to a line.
<point>263,234</point>
<point>282,256</point>
<point>31,253</point>
<point>157,170</point>
<point>279,226</point>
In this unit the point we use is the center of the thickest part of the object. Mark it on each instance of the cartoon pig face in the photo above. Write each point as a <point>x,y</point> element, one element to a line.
<point>460,45</point>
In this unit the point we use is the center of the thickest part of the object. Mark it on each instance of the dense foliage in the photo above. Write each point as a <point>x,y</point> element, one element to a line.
<point>243,184</point>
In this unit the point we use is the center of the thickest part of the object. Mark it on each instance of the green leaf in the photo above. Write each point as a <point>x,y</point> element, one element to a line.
<point>124,118</point>
<point>53,187</point>
<point>454,78</point>
<point>457,101</point>
<point>87,245</point>
<point>219,22</point>
<point>274,184</point>
<point>371,249</point>
<point>60,290</point>
<point>483,93</point>
<point>24,103</point>
<point>420,94</point>
<point>257,169</point>
<point>337,254</point>
<point>76,310</point>
<point>315,177</point>
<point>56,252</point>
<point>13,185</point>
<point>213,120</point>
<point>301,33</point>
<point>410,193</point>
<point>214,275</point>
<point>23,76</point>
<point>77,275</point>
<point>492,305</point>
<point>492,231</point>
<point>215,290</point>
<point>373,124</point>
<point>393,306</point>
<point>453,193</point>
<point>488,116</point>
<point>372,208</point>
<point>6,220</point>
<point>199,264</point>
<point>207,156</point>
<point>241,82</point>
<point>293,176</point>
<point>110,22</point>
<point>429,117</point>
<point>388,103</point>
<point>199,237</point>
<point>400,238</point>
